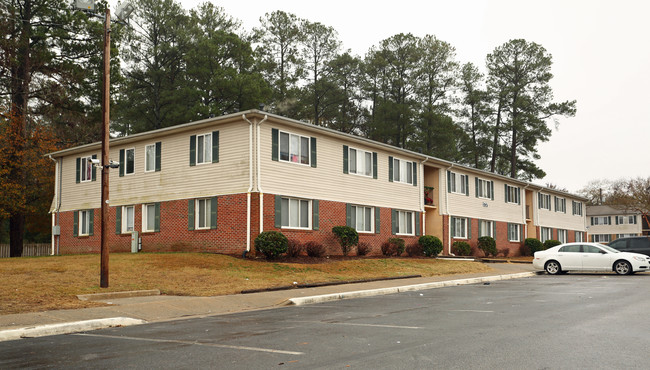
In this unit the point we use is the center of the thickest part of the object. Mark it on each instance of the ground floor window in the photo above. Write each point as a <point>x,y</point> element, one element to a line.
<point>625,235</point>
<point>600,238</point>
<point>361,218</point>
<point>151,217</point>
<point>128,218</point>
<point>202,213</point>
<point>83,223</point>
<point>580,236</point>
<point>546,233</point>
<point>562,236</point>
<point>295,213</point>
<point>514,232</point>
<point>459,228</point>
<point>405,223</point>
<point>486,228</point>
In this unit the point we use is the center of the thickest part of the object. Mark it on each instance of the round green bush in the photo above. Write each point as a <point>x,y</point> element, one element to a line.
<point>271,244</point>
<point>551,243</point>
<point>399,244</point>
<point>431,245</point>
<point>461,248</point>
<point>347,236</point>
<point>531,245</point>
<point>488,245</point>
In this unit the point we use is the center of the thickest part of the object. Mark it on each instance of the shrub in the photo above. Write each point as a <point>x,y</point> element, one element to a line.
<point>314,249</point>
<point>271,244</point>
<point>488,245</point>
<point>461,248</point>
<point>294,248</point>
<point>387,249</point>
<point>347,237</point>
<point>414,250</point>
<point>505,252</point>
<point>363,249</point>
<point>531,245</point>
<point>399,245</point>
<point>431,245</point>
<point>551,243</point>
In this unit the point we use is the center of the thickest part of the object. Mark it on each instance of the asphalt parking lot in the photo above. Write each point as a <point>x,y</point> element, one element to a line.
<point>568,321</point>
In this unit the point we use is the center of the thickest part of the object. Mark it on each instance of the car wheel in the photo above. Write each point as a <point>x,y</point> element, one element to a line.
<point>553,267</point>
<point>622,267</point>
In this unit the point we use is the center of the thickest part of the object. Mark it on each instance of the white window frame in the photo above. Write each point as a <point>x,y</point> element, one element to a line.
<point>126,161</point>
<point>292,150</point>
<point>512,193</point>
<point>601,238</point>
<point>546,201</point>
<point>402,171</point>
<point>560,204</point>
<point>146,213</point>
<point>150,157</point>
<point>545,233</point>
<point>356,220</point>
<point>287,214</point>
<point>404,221</point>
<point>203,156</point>
<point>125,219</point>
<point>577,208</point>
<point>484,189</point>
<point>86,169</point>
<point>457,178</point>
<point>482,226</point>
<point>580,236</point>
<point>84,222</point>
<point>459,232</point>
<point>360,161</point>
<point>563,236</point>
<point>601,220</point>
<point>198,217</point>
<point>626,235</point>
<point>514,232</point>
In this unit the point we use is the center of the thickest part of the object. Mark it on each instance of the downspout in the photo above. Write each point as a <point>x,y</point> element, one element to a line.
<point>524,213</point>
<point>55,216</point>
<point>448,212</point>
<point>250,185</point>
<point>424,212</point>
<point>259,173</point>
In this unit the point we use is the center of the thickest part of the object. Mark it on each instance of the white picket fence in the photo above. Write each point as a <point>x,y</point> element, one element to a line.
<point>29,250</point>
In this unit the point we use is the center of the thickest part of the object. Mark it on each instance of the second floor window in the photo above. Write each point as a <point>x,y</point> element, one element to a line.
<point>484,189</point>
<point>544,201</point>
<point>512,194</point>
<point>127,161</point>
<point>457,183</point>
<point>601,220</point>
<point>402,171</point>
<point>204,148</point>
<point>360,162</point>
<point>294,148</point>
<point>625,220</point>
<point>577,208</point>
<point>560,204</point>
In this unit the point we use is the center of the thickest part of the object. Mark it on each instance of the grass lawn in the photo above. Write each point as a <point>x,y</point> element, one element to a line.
<point>29,284</point>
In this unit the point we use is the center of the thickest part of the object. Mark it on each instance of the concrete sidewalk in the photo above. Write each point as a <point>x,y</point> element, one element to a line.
<point>135,310</point>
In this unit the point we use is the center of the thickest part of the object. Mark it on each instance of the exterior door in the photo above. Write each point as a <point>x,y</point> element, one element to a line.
<point>570,257</point>
<point>594,260</point>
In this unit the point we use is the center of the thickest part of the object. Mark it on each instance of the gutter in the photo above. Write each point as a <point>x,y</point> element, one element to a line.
<point>259,172</point>
<point>57,207</point>
<point>250,184</point>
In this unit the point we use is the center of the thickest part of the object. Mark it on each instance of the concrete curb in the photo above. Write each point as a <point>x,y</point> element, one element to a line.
<point>67,328</point>
<point>115,295</point>
<point>407,288</point>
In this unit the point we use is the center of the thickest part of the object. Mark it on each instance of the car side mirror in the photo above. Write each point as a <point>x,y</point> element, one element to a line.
<point>603,252</point>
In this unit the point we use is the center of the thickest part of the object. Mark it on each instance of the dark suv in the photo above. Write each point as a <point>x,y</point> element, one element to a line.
<point>635,244</point>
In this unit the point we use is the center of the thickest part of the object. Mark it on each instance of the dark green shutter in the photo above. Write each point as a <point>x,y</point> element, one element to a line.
<point>122,164</point>
<point>158,155</point>
<point>469,228</point>
<point>505,189</point>
<point>374,165</point>
<point>156,227</point>
<point>592,220</point>
<point>118,220</point>
<point>609,219</point>
<point>377,220</point>
<point>75,223</point>
<point>390,169</point>
<point>348,215</point>
<point>214,203</point>
<point>448,181</point>
<point>480,222</point>
<point>476,186</point>
<point>278,211</point>
<point>193,150</point>
<point>190,214</point>
<point>518,195</point>
<point>635,219</point>
<point>314,223</point>
<point>417,223</point>
<point>394,221</point>
<point>94,170</point>
<point>275,145</point>
<point>452,227</point>
<point>345,159</point>
<point>616,218</point>
<point>215,146</point>
<point>539,200</point>
<point>494,230</point>
<point>312,148</point>
<point>415,174</point>
<point>78,170</point>
<point>492,190</point>
<point>91,221</point>
<point>467,185</point>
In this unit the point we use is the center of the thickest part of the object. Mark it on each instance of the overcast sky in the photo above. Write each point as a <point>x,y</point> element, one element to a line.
<point>601,58</point>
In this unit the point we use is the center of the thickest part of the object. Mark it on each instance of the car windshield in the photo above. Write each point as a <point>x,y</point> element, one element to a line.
<point>608,248</point>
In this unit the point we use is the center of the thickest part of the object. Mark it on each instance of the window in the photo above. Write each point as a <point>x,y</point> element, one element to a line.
<point>546,233</point>
<point>514,232</point>
<point>83,223</point>
<point>295,213</point>
<point>574,248</point>
<point>360,162</point>
<point>601,220</point>
<point>544,201</point>
<point>402,171</point>
<point>577,208</point>
<point>484,188</point>
<point>152,154</point>
<point>294,148</point>
<point>459,228</point>
<point>204,148</point>
<point>625,220</point>
<point>457,183</point>
<point>404,223</point>
<point>600,238</point>
<point>128,219</point>
<point>203,213</point>
<point>362,218</point>
<point>127,161</point>
<point>562,236</point>
<point>512,194</point>
<point>486,228</point>
<point>151,217</point>
<point>85,169</point>
<point>580,236</point>
<point>560,204</point>
<point>624,235</point>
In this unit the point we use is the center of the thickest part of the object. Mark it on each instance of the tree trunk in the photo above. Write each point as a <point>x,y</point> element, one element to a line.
<point>495,143</point>
<point>16,231</point>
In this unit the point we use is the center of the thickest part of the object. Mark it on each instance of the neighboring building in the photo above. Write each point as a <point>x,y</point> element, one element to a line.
<point>606,223</point>
<point>214,185</point>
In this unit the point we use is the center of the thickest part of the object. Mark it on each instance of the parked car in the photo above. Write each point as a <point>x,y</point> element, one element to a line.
<point>633,244</point>
<point>589,257</point>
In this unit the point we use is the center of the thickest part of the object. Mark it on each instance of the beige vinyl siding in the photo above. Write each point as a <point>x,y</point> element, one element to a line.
<point>176,180</point>
<point>614,229</point>
<point>327,181</point>
<point>559,220</point>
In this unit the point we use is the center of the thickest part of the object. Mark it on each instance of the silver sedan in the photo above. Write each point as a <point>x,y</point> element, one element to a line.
<point>589,257</point>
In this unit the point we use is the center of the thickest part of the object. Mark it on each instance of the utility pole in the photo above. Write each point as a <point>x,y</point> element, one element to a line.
<point>106,105</point>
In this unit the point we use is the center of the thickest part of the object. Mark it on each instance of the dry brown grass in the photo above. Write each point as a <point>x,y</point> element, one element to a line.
<point>31,284</point>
